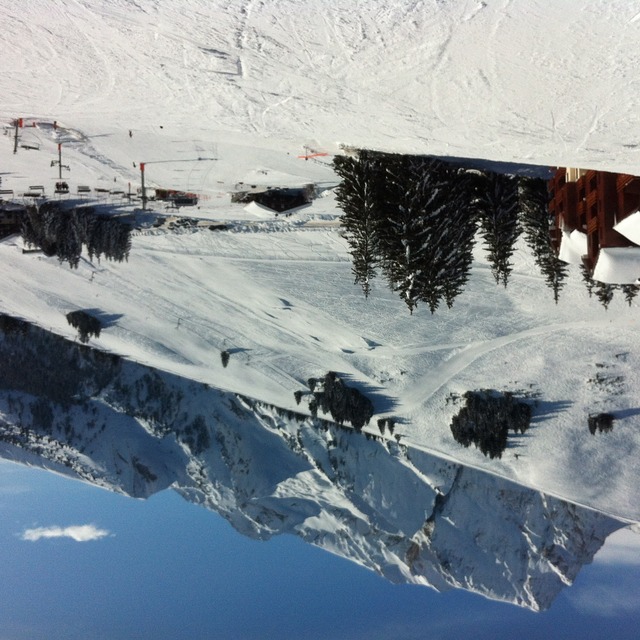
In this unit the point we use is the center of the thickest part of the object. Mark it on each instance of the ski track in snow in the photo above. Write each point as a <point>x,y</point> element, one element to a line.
<point>422,390</point>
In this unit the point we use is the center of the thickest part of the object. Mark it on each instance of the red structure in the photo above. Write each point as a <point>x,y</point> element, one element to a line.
<point>592,202</point>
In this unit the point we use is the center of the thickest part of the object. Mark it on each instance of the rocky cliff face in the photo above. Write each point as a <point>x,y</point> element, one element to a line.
<point>408,515</point>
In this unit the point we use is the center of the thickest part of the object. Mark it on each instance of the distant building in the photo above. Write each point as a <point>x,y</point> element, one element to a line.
<point>278,199</point>
<point>597,222</point>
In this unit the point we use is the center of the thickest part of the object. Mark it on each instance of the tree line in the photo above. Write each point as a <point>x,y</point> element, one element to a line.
<point>63,233</point>
<point>414,219</point>
<point>44,364</point>
<point>86,324</point>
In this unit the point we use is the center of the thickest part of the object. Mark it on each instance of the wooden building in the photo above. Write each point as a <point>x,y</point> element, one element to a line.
<point>594,203</point>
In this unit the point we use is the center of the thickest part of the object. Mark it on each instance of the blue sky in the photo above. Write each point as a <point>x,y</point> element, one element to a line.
<point>164,568</point>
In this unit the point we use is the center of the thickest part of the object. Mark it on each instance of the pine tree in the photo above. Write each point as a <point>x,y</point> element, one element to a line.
<point>497,205</point>
<point>358,195</point>
<point>86,324</point>
<point>630,292</point>
<point>604,293</point>
<point>534,206</point>
<point>402,234</point>
<point>426,237</point>
<point>555,272</point>
<point>587,279</point>
<point>68,239</point>
<point>454,235</point>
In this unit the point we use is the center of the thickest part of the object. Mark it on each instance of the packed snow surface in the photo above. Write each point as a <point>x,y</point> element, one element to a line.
<point>630,227</point>
<point>220,95</point>
<point>572,247</point>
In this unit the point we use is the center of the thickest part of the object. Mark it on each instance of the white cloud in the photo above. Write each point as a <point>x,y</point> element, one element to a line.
<point>79,533</point>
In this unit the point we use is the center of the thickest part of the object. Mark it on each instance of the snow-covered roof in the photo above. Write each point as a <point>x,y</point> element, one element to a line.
<point>630,227</point>
<point>260,210</point>
<point>573,246</point>
<point>618,265</point>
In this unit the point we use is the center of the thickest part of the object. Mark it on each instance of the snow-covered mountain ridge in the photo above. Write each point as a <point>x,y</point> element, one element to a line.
<point>408,515</point>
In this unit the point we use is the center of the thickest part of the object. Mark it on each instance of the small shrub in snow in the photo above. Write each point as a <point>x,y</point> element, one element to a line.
<point>486,418</point>
<point>86,325</point>
<point>602,422</point>
<point>345,404</point>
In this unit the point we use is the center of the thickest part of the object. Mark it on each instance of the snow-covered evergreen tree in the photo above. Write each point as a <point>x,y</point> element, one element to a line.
<point>534,207</point>
<point>604,293</point>
<point>402,237</point>
<point>497,203</point>
<point>555,272</point>
<point>69,242</point>
<point>426,237</point>
<point>587,279</point>
<point>358,195</point>
<point>630,291</point>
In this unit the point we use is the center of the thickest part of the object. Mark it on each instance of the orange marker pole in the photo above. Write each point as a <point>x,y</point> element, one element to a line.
<point>313,155</point>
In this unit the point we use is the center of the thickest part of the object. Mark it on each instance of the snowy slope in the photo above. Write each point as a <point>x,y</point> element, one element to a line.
<point>549,81</point>
<point>218,94</point>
